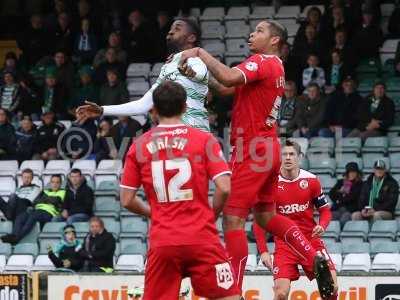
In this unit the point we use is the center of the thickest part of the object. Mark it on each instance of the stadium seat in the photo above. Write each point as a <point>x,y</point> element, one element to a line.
<point>389,45</point>
<point>19,263</point>
<point>7,186</point>
<point>383,230</point>
<point>156,69</point>
<point>321,145</point>
<point>214,47</point>
<point>26,248</point>
<point>130,262</point>
<point>370,158</point>
<point>5,227</point>
<point>304,163</point>
<point>106,206</point>
<point>44,243</point>
<point>43,263</point>
<point>137,89</point>
<point>292,29</point>
<point>251,263</point>
<point>87,166</point>
<point>393,84</point>
<point>394,162</point>
<point>303,142</point>
<point>107,185</point>
<point>5,249</point>
<point>335,248</point>
<point>368,66</point>
<point>138,70</point>
<point>37,166</point>
<point>109,167</point>
<point>322,165</point>
<point>348,145</point>
<point>134,227</point>
<point>355,247</point>
<point>383,247</point>
<point>133,247</point>
<point>397,212</point>
<point>355,231</point>
<point>237,29</point>
<point>376,145</point>
<point>213,14</point>
<point>236,47</point>
<point>8,168</point>
<point>271,247</point>
<point>366,85</point>
<point>288,12</point>
<point>237,13</point>
<point>113,226</point>
<point>57,167</point>
<point>337,260</point>
<point>32,236</point>
<point>3,262</point>
<point>234,60</point>
<point>212,30</point>
<point>195,12</point>
<point>357,262</point>
<point>262,12</point>
<point>333,230</point>
<point>52,230</point>
<point>253,248</point>
<point>327,182</point>
<point>384,262</point>
<point>343,159</point>
<point>82,229</point>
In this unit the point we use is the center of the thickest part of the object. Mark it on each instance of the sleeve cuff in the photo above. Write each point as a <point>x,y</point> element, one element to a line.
<point>244,75</point>
<point>128,187</point>
<point>220,174</point>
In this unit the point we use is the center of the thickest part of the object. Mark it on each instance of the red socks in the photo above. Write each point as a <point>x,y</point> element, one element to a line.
<point>288,231</point>
<point>236,245</point>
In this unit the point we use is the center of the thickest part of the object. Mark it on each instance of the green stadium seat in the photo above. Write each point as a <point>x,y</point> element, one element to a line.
<point>383,230</point>
<point>253,248</point>
<point>369,160</point>
<point>5,249</point>
<point>333,230</point>
<point>369,66</point>
<point>376,145</point>
<point>44,243</point>
<point>395,96</point>
<point>366,85</point>
<point>32,236</point>
<point>26,249</point>
<point>5,227</point>
<point>113,226</point>
<point>343,159</point>
<point>321,145</point>
<point>394,162</point>
<point>393,84</point>
<point>52,230</point>
<point>394,144</point>
<point>387,247</point>
<point>397,210</point>
<point>355,230</point>
<point>327,182</point>
<point>334,247</point>
<point>134,227</point>
<point>82,229</point>
<point>354,247</point>
<point>348,145</point>
<point>106,206</point>
<point>133,247</point>
<point>322,165</point>
<point>304,163</point>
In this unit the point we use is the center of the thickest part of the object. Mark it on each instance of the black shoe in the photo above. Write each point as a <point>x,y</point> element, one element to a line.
<point>324,277</point>
<point>9,238</point>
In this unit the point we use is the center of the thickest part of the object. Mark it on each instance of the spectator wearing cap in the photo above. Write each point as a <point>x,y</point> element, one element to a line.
<point>66,254</point>
<point>287,110</point>
<point>54,94</point>
<point>375,114</point>
<point>10,94</point>
<point>340,118</point>
<point>65,71</point>
<point>86,91</point>
<point>336,72</point>
<point>114,41</point>
<point>47,137</point>
<point>7,136</point>
<point>114,91</point>
<point>110,63</point>
<point>85,46</point>
<point>314,73</point>
<point>346,193</point>
<point>368,37</point>
<point>378,196</point>
<point>26,136</point>
<point>310,112</point>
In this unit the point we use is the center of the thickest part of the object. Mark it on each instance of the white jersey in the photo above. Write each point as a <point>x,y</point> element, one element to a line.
<point>196,89</point>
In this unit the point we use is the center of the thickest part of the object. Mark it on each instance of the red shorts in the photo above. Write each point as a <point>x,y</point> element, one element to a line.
<point>255,171</point>
<point>207,266</point>
<point>286,261</point>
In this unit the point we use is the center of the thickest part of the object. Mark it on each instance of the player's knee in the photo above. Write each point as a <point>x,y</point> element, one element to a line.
<point>233,223</point>
<point>281,293</point>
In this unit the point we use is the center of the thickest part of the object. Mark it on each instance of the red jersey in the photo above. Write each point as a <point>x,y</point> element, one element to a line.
<point>174,164</point>
<point>256,103</point>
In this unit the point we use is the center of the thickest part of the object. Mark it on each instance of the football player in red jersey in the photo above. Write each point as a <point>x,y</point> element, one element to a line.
<point>174,163</point>
<point>258,85</point>
<point>309,196</point>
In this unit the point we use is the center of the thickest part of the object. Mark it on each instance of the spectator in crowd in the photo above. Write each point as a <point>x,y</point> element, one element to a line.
<point>375,114</point>
<point>290,63</point>
<point>336,72</point>
<point>85,46</point>
<point>98,248</point>
<point>47,137</point>
<point>313,74</point>
<point>313,19</point>
<point>58,7</point>
<point>45,208</point>
<point>86,91</point>
<point>64,70</point>
<point>114,91</point>
<point>26,139</point>
<point>340,113</point>
<point>110,63</point>
<point>67,252</point>
<point>10,65</point>
<point>114,41</point>
<point>64,33</point>
<point>142,39</point>
<point>310,112</point>
<point>7,137</point>
<point>105,149</point>
<point>30,99</point>
<point>345,194</point>
<point>302,48</point>
<point>55,95</point>
<point>10,94</point>
<point>287,110</point>
<point>94,14</point>
<point>397,60</point>
<point>342,43</point>
<point>394,24</point>
<point>23,197</point>
<point>337,21</point>
<point>79,199</point>
<point>34,42</point>
<point>378,196</point>
<point>368,37</point>
<point>126,128</point>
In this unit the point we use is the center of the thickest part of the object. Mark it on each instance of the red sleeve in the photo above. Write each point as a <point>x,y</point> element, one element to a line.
<point>254,68</point>
<point>259,234</point>
<point>325,216</point>
<point>216,164</point>
<point>131,177</point>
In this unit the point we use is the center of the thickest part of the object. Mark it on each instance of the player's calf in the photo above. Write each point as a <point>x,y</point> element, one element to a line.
<point>281,289</point>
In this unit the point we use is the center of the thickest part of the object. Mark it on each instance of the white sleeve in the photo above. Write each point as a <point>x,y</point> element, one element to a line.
<point>199,67</point>
<point>136,107</point>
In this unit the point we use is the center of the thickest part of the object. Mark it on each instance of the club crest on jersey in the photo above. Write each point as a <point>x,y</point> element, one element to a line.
<point>251,66</point>
<point>224,275</point>
<point>275,270</point>
<point>303,184</point>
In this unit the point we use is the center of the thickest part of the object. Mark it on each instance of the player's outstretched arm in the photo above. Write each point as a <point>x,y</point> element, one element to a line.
<point>134,204</point>
<point>227,76</point>
<point>222,191</point>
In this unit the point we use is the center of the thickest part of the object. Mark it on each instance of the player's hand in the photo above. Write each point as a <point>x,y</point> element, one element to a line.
<point>187,71</point>
<point>266,260</point>
<point>194,52</point>
<point>89,110</point>
<point>318,231</point>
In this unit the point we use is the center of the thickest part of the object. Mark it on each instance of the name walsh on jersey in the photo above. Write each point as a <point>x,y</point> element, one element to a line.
<point>165,142</point>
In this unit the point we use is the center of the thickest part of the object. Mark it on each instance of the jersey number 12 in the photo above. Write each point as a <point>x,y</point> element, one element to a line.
<point>172,191</point>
